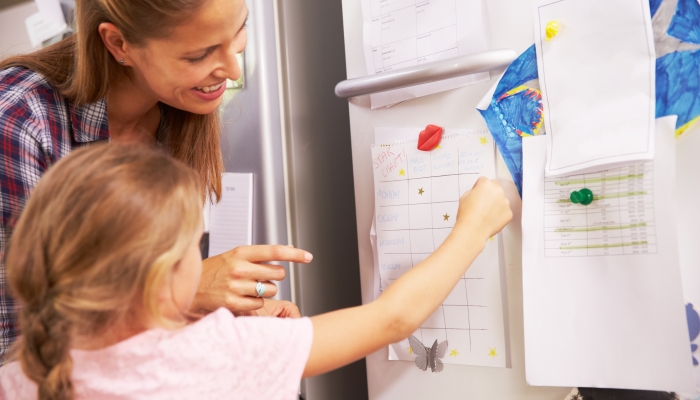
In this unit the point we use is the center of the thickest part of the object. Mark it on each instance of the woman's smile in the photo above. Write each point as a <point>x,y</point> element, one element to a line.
<point>209,93</point>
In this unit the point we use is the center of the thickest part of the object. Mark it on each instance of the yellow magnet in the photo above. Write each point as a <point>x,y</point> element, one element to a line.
<point>551,30</point>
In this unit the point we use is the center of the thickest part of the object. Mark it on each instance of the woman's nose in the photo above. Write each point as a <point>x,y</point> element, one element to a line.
<point>231,68</point>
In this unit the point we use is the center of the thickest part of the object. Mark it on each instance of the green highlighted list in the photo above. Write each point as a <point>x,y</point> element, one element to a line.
<point>603,246</point>
<point>598,180</point>
<point>602,228</point>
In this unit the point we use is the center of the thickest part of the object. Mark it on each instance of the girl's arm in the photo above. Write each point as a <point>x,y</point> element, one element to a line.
<point>344,336</point>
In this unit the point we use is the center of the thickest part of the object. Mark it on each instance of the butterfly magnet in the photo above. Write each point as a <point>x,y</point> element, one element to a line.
<point>428,356</point>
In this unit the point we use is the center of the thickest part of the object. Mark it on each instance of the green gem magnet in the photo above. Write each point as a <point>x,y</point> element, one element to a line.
<point>583,197</point>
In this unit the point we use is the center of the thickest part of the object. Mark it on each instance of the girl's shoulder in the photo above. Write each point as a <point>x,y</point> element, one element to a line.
<point>14,384</point>
<point>219,356</point>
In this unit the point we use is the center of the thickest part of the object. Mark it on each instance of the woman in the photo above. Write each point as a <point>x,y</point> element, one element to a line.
<point>144,73</point>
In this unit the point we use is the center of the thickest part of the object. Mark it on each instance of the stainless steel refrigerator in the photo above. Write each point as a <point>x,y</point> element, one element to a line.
<point>287,127</point>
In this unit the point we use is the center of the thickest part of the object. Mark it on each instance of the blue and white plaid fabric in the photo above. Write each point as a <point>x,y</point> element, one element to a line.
<point>38,126</point>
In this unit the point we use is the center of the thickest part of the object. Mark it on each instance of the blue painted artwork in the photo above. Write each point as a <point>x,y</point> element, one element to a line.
<point>693,328</point>
<point>515,111</point>
<point>684,25</point>
<point>678,86</point>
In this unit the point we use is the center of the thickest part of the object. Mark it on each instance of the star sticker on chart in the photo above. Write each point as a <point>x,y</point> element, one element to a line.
<point>410,350</point>
<point>402,172</point>
<point>447,217</point>
<point>438,147</point>
<point>491,238</point>
<point>421,191</point>
<point>483,140</point>
<point>492,352</point>
<point>454,353</point>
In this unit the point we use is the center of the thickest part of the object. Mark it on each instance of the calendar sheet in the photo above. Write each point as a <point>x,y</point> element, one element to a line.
<point>416,201</point>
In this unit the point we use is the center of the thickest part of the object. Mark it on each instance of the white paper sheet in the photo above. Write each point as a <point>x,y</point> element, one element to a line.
<point>687,195</point>
<point>602,294</point>
<point>416,200</point>
<point>597,78</point>
<point>402,33</point>
<point>231,220</point>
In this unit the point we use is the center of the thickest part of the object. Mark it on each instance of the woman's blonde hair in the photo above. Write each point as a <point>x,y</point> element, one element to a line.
<point>98,237</point>
<point>81,68</point>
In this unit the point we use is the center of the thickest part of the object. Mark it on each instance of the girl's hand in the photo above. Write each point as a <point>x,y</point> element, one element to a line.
<point>274,308</point>
<point>484,209</point>
<point>229,279</point>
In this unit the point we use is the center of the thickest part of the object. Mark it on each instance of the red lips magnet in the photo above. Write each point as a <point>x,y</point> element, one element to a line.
<point>429,138</point>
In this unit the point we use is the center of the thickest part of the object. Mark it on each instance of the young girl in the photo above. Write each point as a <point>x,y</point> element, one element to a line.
<point>105,262</point>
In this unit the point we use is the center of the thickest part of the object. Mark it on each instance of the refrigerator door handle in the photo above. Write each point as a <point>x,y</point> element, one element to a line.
<point>425,73</point>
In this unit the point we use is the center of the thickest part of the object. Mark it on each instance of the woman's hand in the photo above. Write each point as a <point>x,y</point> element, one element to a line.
<point>274,308</point>
<point>484,209</point>
<point>229,279</point>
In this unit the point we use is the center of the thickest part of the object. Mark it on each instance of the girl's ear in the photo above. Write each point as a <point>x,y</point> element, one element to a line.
<point>115,43</point>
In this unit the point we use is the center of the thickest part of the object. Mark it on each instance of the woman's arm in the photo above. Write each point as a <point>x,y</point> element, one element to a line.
<point>343,336</point>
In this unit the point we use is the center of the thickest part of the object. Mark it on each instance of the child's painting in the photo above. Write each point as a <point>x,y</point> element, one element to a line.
<point>515,110</point>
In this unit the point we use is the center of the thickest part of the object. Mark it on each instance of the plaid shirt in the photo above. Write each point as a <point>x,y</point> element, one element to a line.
<point>38,126</point>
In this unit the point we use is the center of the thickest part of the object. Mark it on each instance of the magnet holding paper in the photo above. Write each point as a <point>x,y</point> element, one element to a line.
<point>551,30</point>
<point>583,197</point>
<point>429,138</point>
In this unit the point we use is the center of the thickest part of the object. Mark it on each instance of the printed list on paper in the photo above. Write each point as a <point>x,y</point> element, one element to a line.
<point>402,33</point>
<point>602,294</point>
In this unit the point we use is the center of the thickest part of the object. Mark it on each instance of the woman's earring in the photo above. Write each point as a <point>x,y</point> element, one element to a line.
<point>122,61</point>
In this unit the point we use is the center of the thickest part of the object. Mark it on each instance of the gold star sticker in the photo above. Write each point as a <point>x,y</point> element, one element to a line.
<point>438,147</point>
<point>491,238</point>
<point>454,353</point>
<point>421,191</point>
<point>492,352</point>
<point>447,217</point>
<point>483,139</point>
<point>410,350</point>
<point>402,172</point>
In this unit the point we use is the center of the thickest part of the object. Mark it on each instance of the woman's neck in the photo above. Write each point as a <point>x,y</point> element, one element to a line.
<point>133,114</point>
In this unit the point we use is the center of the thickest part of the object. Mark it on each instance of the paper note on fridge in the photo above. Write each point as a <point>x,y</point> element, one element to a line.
<point>597,77</point>
<point>231,219</point>
<point>416,201</point>
<point>602,294</point>
<point>401,33</point>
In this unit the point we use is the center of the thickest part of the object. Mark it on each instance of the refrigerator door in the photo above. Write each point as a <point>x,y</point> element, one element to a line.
<point>511,28</point>
<point>252,132</point>
<point>319,172</point>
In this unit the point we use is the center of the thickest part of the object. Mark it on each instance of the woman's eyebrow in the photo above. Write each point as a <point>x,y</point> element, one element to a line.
<point>206,50</point>
<point>210,48</point>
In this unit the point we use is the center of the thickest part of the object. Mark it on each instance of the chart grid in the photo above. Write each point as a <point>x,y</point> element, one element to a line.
<point>458,169</point>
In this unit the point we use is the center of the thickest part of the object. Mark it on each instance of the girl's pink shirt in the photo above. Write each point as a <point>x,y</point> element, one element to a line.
<point>217,357</point>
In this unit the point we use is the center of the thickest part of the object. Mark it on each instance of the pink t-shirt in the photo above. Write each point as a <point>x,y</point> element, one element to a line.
<point>217,357</point>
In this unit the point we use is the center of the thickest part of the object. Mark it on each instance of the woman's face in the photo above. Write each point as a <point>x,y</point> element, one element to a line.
<point>188,69</point>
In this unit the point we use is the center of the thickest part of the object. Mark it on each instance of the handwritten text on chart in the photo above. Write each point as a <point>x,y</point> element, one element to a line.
<point>388,161</point>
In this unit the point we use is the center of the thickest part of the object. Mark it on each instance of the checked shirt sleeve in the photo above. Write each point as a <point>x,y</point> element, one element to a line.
<point>22,163</point>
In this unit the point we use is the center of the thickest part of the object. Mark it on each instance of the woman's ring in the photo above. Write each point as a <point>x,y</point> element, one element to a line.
<point>260,289</point>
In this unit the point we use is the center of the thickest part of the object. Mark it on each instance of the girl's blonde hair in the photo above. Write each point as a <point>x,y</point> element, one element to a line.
<point>81,68</point>
<point>96,241</point>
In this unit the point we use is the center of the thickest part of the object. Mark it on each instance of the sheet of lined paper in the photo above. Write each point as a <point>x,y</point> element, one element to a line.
<point>231,220</point>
